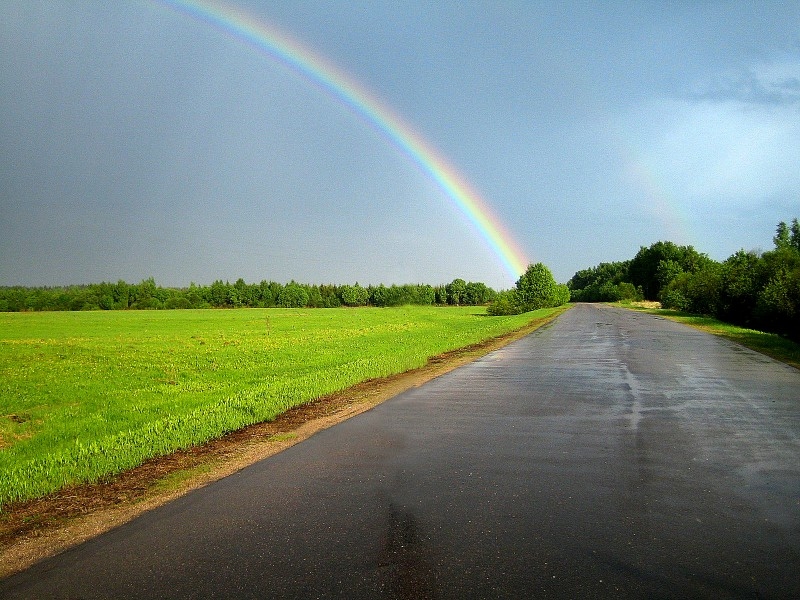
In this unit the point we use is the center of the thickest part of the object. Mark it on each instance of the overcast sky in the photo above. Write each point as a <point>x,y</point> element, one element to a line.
<point>137,142</point>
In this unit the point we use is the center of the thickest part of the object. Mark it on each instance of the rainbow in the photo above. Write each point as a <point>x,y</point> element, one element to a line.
<point>244,26</point>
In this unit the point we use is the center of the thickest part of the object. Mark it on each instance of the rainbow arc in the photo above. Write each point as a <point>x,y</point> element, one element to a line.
<point>267,38</point>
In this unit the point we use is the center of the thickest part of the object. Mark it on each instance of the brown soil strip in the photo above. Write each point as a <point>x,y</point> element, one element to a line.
<point>36,529</point>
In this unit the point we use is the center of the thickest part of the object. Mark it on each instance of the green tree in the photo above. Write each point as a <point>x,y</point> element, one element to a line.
<point>378,296</point>
<point>354,295</point>
<point>232,298</point>
<point>476,294</point>
<point>794,237</point>
<point>536,288</point>
<point>176,302</point>
<point>741,281</point>
<point>145,295</point>
<point>456,291</point>
<point>106,302</point>
<point>777,306</point>
<point>194,296</point>
<point>293,295</point>
<point>218,294</point>
<point>268,293</point>
<point>425,295</point>
<point>705,289</point>
<point>644,268</point>
<point>699,292</point>
<point>247,294</point>
<point>666,271</point>
<point>776,302</point>
<point>314,296</point>
<point>782,237</point>
<point>120,295</point>
<point>607,282</point>
<point>330,296</point>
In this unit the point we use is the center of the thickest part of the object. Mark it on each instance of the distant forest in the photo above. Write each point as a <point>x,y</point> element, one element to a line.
<point>267,294</point>
<point>759,290</point>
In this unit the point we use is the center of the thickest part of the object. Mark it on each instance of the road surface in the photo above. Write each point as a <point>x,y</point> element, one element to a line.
<point>610,454</point>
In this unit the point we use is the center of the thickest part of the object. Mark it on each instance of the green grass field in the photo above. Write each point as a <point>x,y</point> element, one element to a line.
<point>87,394</point>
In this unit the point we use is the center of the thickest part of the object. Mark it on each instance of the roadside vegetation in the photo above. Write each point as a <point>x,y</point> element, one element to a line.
<point>771,344</point>
<point>755,290</point>
<point>84,395</point>
<point>534,290</point>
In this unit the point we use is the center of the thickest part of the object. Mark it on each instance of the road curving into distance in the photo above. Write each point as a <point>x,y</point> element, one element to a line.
<point>611,453</point>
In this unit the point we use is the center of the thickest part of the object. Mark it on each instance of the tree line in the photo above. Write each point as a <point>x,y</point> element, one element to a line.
<point>267,294</point>
<point>759,290</point>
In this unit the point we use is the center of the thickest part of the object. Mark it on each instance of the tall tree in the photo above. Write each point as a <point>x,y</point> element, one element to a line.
<point>456,291</point>
<point>782,237</point>
<point>795,234</point>
<point>644,268</point>
<point>536,288</point>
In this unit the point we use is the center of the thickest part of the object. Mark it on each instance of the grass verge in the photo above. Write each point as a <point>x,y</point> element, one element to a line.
<point>770,344</point>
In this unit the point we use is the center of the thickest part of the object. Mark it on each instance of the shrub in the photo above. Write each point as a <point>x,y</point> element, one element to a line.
<point>177,302</point>
<point>675,299</point>
<point>505,304</point>
<point>535,289</point>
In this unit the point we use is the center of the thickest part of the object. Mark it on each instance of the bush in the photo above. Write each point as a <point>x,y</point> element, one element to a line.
<point>505,304</point>
<point>675,299</point>
<point>177,302</point>
<point>535,289</point>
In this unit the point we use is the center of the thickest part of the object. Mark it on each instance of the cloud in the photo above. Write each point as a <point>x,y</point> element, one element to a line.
<point>722,171</point>
<point>735,143</point>
<point>775,83</point>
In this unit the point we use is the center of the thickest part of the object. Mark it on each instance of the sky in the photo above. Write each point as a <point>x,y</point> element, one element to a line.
<point>138,141</point>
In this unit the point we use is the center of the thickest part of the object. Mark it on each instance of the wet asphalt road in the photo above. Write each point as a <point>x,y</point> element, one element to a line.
<point>610,454</point>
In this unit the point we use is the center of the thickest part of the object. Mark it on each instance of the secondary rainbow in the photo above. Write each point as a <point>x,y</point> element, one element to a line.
<point>244,26</point>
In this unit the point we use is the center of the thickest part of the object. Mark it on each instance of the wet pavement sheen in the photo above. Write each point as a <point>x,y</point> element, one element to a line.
<point>611,453</point>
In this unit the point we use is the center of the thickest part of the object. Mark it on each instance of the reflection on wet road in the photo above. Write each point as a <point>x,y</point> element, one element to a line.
<point>610,454</point>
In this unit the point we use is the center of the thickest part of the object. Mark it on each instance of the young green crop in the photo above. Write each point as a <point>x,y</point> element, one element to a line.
<point>88,394</point>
